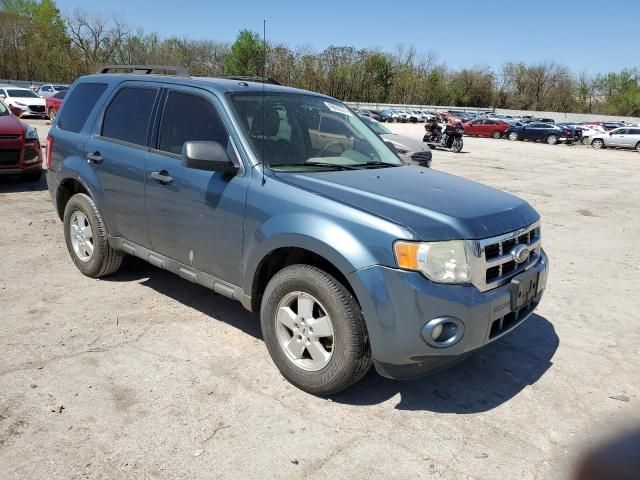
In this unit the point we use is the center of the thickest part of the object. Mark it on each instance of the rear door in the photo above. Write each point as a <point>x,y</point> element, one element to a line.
<point>117,151</point>
<point>195,217</point>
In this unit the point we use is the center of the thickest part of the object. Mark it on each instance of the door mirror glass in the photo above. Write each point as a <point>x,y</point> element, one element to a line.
<point>209,156</point>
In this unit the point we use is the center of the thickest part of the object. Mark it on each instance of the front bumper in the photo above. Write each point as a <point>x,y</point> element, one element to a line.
<point>397,304</point>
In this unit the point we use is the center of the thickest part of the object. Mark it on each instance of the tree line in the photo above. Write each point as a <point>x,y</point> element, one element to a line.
<point>38,43</point>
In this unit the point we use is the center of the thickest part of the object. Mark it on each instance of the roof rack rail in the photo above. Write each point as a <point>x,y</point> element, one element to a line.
<point>269,80</point>
<point>145,70</point>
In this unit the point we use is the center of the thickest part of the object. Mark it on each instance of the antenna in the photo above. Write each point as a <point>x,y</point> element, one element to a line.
<point>264,111</point>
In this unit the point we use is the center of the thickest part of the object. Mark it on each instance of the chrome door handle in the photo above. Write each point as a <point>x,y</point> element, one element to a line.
<point>94,157</point>
<point>162,177</point>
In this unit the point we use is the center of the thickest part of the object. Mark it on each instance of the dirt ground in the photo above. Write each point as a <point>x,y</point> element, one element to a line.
<point>160,378</point>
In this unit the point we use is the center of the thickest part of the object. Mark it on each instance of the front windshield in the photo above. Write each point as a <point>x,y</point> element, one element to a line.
<point>3,110</point>
<point>295,132</point>
<point>376,126</point>
<point>21,93</point>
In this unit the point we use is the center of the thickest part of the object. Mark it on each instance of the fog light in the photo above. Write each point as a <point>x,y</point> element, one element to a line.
<point>443,332</point>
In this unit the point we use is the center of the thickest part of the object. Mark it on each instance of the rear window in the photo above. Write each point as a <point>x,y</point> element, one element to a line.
<point>79,105</point>
<point>127,116</point>
<point>60,95</point>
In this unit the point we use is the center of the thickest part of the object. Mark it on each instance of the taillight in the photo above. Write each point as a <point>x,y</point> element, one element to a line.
<point>47,158</point>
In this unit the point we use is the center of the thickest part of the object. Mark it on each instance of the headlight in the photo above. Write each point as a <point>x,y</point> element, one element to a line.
<point>30,133</point>
<point>21,104</point>
<point>442,262</point>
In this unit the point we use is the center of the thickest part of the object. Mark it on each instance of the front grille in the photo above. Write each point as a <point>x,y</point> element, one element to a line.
<point>511,319</point>
<point>421,157</point>
<point>492,262</point>
<point>9,136</point>
<point>9,157</point>
<point>37,108</point>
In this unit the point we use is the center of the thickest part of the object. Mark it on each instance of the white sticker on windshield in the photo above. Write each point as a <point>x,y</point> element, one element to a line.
<point>334,107</point>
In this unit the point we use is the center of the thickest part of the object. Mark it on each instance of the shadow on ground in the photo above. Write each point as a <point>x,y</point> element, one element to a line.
<point>491,377</point>
<point>17,184</point>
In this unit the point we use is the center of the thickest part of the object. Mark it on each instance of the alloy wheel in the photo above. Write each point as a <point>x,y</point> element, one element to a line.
<point>81,236</point>
<point>304,331</point>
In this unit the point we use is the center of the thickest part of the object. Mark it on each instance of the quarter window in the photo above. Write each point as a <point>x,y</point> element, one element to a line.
<point>189,118</point>
<point>79,105</point>
<point>127,116</point>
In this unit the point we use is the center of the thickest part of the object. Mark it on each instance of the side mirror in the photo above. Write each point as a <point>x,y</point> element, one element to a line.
<point>209,156</point>
<point>2,96</point>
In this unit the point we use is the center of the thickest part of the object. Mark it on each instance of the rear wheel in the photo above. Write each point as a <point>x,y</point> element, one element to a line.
<point>314,330</point>
<point>585,141</point>
<point>52,114</point>
<point>552,139</point>
<point>86,238</point>
<point>597,143</point>
<point>496,134</point>
<point>638,147</point>
<point>513,136</point>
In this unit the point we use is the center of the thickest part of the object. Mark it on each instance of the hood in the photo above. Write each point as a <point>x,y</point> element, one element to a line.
<point>404,142</point>
<point>27,100</point>
<point>434,205</point>
<point>11,125</point>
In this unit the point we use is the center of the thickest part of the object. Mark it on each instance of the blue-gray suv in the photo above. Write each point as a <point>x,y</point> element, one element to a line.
<point>286,201</point>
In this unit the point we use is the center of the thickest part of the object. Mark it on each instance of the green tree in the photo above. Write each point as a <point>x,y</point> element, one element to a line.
<point>246,55</point>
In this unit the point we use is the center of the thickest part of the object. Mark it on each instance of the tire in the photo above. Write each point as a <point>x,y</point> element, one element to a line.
<point>52,114</point>
<point>513,136</point>
<point>103,259</point>
<point>348,347</point>
<point>638,147</point>
<point>496,134</point>
<point>585,141</point>
<point>597,143</point>
<point>33,176</point>
<point>456,146</point>
<point>552,139</point>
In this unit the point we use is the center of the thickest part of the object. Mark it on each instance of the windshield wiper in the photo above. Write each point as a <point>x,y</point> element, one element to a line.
<point>376,164</point>
<point>315,164</point>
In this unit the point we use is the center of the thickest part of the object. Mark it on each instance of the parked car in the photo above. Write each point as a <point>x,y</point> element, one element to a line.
<point>538,131</point>
<point>20,152</point>
<point>590,131</point>
<point>22,101</point>
<point>608,126</point>
<point>410,150</point>
<point>50,89</point>
<point>350,257</point>
<point>387,115</point>
<point>402,116</point>
<point>485,128</point>
<point>370,114</point>
<point>624,137</point>
<point>574,132</point>
<point>53,104</point>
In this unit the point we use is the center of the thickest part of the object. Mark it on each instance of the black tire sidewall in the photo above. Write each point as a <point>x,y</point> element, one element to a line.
<point>345,317</point>
<point>85,204</point>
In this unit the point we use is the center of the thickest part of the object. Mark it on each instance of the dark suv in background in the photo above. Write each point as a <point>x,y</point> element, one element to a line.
<point>286,201</point>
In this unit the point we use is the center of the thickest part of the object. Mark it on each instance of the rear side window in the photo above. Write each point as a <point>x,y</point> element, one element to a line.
<point>189,118</point>
<point>127,116</point>
<point>79,105</point>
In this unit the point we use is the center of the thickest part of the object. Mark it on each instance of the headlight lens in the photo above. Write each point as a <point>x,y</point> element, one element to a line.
<point>30,133</point>
<point>442,262</point>
<point>21,104</point>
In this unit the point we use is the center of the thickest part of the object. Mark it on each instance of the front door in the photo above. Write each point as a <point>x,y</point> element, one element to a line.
<point>195,217</point>
<point>117,152</point>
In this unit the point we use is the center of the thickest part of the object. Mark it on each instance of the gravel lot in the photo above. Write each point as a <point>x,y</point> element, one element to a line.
<point>160,378</point>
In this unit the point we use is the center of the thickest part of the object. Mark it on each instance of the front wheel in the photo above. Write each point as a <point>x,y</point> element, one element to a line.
<point>513,136</point>
<point>598,143</point>
<point>314,330</point>
<point>457,145</point>
<point>52,114</point>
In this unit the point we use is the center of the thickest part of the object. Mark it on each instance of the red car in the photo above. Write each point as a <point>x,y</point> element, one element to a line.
<point>53,104</point>
<point>485,127</point>
<point>20,152</point>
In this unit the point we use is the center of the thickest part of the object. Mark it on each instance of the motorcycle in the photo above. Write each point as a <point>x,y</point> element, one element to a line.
<point>450,139</point>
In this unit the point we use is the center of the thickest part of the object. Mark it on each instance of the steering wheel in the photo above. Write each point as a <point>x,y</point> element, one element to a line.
<point>326,148</point>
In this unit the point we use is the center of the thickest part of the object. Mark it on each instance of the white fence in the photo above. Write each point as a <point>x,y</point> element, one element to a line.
<point>557,116</point>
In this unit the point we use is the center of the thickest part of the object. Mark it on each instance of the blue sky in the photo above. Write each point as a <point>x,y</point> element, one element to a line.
<point>586,35</point>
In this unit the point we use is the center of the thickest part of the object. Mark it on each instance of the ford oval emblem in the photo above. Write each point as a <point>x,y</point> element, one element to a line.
<point>520,253</point>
